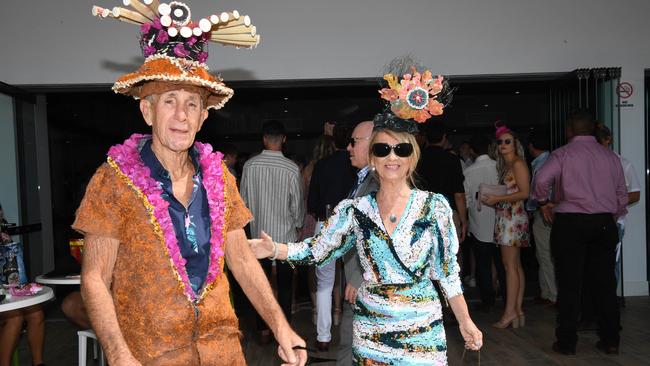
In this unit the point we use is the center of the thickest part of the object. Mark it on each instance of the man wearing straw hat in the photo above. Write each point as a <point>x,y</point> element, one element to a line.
<point>163,214</point>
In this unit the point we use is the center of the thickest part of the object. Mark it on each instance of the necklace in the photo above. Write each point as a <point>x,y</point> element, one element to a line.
<point>392,218</point>
<point>125,159</point>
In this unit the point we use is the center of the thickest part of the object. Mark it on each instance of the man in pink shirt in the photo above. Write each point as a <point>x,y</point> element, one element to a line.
<point>589,193</point>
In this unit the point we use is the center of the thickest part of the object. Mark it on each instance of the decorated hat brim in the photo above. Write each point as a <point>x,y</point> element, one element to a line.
<point>175,71</point>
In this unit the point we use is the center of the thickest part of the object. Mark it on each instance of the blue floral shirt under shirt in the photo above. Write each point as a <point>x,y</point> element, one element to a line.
<point>191,225</point>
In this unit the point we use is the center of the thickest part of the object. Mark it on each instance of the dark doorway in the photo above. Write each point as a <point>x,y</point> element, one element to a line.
<point>84,121</point>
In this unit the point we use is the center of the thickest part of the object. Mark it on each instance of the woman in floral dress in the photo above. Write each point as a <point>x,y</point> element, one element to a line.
<point>406,240</point>
<point>511,224</point>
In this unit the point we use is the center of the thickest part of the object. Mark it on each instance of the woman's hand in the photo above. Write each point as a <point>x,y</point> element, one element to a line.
<point>472,336</point>
<point>489,199</point>
<point>262,248</point>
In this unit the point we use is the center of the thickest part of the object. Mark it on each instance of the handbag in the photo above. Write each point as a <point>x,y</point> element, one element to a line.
<point>490,189</point>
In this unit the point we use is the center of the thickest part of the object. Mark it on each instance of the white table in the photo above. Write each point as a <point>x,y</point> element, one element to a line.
<point>19,302</point>
<point>59,280</point>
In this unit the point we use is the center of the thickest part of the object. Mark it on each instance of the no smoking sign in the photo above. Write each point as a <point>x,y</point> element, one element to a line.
<point>624,90</point>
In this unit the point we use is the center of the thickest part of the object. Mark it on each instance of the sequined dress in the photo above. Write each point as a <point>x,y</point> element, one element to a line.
<point>511,218</point>
<point>397,315</point>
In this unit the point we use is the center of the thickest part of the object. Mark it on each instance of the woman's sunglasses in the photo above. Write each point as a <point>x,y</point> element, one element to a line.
<point>506,141</point>
<point>402,150</point>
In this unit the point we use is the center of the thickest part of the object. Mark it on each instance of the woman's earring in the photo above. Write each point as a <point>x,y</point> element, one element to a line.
<point>372,167</point>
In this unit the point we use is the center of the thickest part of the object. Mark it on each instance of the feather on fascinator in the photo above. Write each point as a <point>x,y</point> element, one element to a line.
<point>501,129</point>
<point>412,97</point>
<point>175,47</point>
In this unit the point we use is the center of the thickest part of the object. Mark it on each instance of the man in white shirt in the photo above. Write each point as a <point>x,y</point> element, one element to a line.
<point>481,221</point>
<point>604,137</point>
<point>272,190</point>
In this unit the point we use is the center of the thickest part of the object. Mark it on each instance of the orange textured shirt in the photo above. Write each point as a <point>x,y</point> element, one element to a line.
<point>160,325</point>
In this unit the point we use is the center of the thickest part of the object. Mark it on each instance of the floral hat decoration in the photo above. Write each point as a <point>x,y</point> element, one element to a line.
<point>412,97</point>
<point>176,48</point>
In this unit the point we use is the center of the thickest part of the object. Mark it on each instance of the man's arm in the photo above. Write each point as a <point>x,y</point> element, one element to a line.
<point>250,276</point>
<point>459,200</point>
<point>545,177</point>
<point>297,204</point>
<point>621,190</point>
<point>353,275</point>
<point>243,186</point>
<point>461,207</point>
<point>99,258</point>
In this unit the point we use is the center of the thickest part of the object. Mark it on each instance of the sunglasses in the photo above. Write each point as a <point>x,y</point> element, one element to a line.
<point>353,140</point>
<point>506,141</point>
<point>402,150</point>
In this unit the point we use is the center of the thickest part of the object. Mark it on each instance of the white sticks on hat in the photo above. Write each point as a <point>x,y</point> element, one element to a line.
<point>133,16</point>
<point>227,28</point>
<point>140,8</point>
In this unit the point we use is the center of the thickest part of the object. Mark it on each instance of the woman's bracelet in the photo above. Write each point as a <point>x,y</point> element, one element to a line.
<point>275,251</point>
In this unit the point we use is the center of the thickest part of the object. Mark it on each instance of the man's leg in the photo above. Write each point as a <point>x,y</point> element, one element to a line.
<point>500,270</point>
<point>261,324</point>
<point>344,354</point>
<point>325,282</point>
<point>483,253</point>
<point>602,256</point>
<point>568,251</point>
<point>542,234</point>
<point>285,283</point>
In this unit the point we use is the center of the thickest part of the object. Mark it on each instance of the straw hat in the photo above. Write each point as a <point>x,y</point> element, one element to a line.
<point>175,48</point>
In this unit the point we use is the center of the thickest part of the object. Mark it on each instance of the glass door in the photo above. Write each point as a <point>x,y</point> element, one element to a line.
<point>24,161</point>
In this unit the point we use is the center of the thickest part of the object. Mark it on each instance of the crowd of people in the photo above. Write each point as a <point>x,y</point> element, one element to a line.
<point>503,197</point>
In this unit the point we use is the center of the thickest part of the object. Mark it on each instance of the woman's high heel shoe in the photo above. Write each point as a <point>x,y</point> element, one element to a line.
<point>522,320</point>
<point>514,322</point>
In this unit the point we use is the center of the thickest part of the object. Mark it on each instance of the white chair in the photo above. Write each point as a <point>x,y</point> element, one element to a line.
<point>83,346</point>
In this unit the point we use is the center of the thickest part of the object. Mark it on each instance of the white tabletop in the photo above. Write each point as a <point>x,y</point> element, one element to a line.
<point>18,302</point>
<point>59,280</point>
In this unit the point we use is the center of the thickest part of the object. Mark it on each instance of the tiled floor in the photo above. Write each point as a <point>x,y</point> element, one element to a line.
<point>530,345</point>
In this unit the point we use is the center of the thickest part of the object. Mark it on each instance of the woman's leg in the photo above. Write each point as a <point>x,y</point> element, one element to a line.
<point>11,323</point>
<point>509,257</point>
<point>522,284</point>
<point>74,309</point>
<point>35,332</point>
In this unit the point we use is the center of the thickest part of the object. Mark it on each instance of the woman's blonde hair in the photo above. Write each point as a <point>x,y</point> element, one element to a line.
<point>401,137</point>
<point>324,148</point>
<point>501,163</point>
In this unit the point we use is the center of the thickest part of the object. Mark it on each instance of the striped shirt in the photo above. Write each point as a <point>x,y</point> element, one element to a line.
<point>271,188</point>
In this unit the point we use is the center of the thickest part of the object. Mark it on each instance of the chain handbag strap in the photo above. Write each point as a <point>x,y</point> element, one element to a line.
<point>462,358</point>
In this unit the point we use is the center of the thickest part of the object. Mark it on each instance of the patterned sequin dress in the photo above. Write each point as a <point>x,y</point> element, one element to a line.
<point>397,316</point>
<point>511,221</point>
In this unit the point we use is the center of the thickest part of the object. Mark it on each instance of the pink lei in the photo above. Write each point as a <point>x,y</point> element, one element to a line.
<point>125,159</point>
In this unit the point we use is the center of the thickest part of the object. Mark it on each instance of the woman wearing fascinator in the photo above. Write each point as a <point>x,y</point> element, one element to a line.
<point>511,225</point>
<point>405,239</point>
